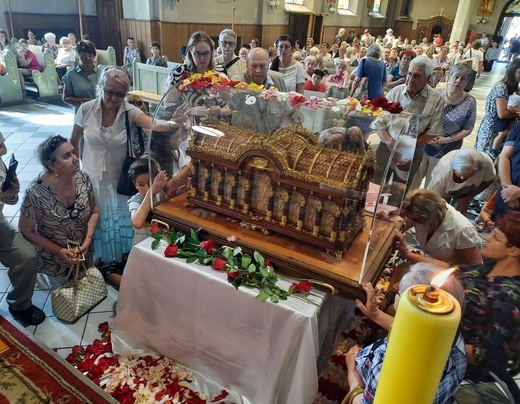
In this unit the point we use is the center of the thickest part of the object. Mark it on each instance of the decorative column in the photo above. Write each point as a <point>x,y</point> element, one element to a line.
<point>462,20</point>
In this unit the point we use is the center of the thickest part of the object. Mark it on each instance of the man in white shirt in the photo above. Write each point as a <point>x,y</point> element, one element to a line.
<point>227,42</point>
<point>477,57</point>
<point>492,54</point>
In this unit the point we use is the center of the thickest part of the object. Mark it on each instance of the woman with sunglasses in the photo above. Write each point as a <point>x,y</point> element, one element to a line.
<point>442,232</point>
<point>199,59</point>
<point>59,205</point>
<point>293,71</point>
<point>104,123</point>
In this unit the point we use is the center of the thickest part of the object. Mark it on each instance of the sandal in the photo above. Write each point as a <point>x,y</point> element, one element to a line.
<point>480,227</point>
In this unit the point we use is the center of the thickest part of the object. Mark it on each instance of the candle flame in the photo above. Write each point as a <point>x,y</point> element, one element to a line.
<point>439,280</point>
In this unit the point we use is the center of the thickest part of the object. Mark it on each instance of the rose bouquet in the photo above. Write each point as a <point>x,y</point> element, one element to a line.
<point>242,269</point>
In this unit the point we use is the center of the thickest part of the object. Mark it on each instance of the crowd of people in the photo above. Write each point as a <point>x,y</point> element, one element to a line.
<point>69,201</point>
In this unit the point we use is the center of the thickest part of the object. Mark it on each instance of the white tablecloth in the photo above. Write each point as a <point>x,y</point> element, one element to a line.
<point>266,353</point>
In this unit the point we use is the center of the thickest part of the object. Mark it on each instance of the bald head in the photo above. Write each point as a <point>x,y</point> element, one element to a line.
<point>258,65</point>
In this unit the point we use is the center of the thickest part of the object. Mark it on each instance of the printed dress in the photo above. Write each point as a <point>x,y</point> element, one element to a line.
<point>131,54</point>
<point>58,222</point>
<point>487,131</point>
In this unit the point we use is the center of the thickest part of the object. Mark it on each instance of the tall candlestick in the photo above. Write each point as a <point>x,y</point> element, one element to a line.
<point>419,345</point>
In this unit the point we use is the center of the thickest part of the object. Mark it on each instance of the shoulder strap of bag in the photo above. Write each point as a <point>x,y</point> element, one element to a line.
<point>141,140</point>
<point>232,62</point>
<point>129,148</point>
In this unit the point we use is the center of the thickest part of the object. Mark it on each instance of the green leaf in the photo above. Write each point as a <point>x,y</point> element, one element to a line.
<point>227,252</point>
<point>191,259</point>
<point>237,251</point>
<point>246,260</point>
<point>268,291</point>
<point>259,258</point>
<point>264,272</point>
<point>274,299</point>
<point>252,268</point>
<point>155,244</point>
<point>262,297</point>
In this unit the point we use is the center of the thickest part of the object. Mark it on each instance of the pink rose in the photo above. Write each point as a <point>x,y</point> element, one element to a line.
<point>154,229</point>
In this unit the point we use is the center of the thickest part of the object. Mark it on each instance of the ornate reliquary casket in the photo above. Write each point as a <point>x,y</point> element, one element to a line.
<point>283,182</point>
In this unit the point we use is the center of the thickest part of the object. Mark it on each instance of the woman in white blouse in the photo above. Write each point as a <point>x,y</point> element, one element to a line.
<point>104,122</point>
<point>293,71</point>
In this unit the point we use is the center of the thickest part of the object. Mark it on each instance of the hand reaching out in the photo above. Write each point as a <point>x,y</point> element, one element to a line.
<point>159,182</point>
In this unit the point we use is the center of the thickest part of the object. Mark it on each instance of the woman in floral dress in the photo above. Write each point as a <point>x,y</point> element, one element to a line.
<point>441,66</point>
<point>496,103</point>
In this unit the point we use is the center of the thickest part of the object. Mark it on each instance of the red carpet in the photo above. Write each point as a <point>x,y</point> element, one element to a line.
<point>32,373</point>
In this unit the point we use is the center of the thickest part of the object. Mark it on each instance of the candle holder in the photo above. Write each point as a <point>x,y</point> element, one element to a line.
<point>431,299</point>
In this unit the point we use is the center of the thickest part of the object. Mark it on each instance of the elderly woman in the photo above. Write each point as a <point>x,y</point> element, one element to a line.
<point>373,68</point>
<point>461,175</point>
<point>293,73</point>
<point>398,73</point>
<point>496,106</point>
<point>80,82</point>
<point>441,65</point>
<point>340,78</point>
<point>59,205</point>
<point>442,233</point>
<point>460,114</point>
<point>364,365</point>
<point>199,59</point>
<point>310,64</point>
<point>50,43</point>
<point>105,123</point>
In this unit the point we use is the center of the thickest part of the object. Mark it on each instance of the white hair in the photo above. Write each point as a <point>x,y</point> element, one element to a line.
<point>423,61</point>
<point>467,160</point>
<point>49,35</point>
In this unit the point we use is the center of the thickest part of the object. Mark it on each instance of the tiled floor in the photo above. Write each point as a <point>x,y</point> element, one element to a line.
<point>24,127</point>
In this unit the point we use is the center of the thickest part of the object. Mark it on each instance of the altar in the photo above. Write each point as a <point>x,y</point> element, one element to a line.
<point>263,352</point>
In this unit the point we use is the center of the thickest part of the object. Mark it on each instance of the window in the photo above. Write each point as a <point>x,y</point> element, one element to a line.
<point>347,7</point>
<point>377,6</point>
<point>294,2</point>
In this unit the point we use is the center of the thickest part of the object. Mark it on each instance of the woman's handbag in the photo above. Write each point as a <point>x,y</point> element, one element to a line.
<point>473,74</point>
<point>125,185</point>
<point>79,293</point>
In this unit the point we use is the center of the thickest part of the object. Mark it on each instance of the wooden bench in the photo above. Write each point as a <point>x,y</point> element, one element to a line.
<point>10,86</point>
<point>107,57</point>
<point>45,82</point>
<point>149,81</point>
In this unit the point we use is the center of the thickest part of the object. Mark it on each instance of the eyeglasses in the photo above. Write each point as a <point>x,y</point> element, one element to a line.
<point>136,103</point>
<point>228,44</point>
<point>414,220</point>
<point>201,55</point>
<point>493,236</point>
<point>111,94</point>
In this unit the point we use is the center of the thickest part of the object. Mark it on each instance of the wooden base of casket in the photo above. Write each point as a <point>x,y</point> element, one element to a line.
<point>290,257</point>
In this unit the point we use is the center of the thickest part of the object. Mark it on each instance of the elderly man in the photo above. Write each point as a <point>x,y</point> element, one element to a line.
<point>227,42</point>
<point>416,97</point>
<point>258,114</point>
<point>257,71</point>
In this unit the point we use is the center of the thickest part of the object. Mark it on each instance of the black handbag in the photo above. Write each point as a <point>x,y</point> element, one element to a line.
<point>125,185</point>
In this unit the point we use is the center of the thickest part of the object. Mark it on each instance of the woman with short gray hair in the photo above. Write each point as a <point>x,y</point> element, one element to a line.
<point>374,69</point>
<point>461,175</point>
<point>460,114</point>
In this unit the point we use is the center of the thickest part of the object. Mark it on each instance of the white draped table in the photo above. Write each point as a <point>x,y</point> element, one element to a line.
<point>264,352</point>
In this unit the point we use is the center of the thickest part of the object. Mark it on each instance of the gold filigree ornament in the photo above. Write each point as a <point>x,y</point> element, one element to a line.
<point>260,163</point>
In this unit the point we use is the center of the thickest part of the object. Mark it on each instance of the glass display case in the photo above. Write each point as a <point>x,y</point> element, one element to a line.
<point>303,180</point>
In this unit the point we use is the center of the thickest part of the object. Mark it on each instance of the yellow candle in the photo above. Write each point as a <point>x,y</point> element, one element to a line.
<point>419,345</point>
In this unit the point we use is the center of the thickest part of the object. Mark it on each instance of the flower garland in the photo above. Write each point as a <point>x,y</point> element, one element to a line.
<point>135,379</point>
<point>242,269</point>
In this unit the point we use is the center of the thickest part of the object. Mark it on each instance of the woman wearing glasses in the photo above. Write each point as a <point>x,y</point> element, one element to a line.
<point>293,71</point>
<point>199,59</point>
<point>59,205</point>
<point>104,123</point>
<point>442,232</point>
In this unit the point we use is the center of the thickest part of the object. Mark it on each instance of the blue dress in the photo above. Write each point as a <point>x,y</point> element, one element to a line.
<point>487,131</point>
<point>375,70</point>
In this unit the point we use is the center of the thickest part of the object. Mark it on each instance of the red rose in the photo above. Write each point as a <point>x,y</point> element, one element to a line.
<point>394,108</point>
<point>223,394</point>
<point>103,327</point>
<point>380,102</point>
<point>171,251</point>
<point>154,229</point>
<point>207,245</point>
<point>233,275</point>
<point>304,286</point>
<point>219,264</point>
<point>268,262</point>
